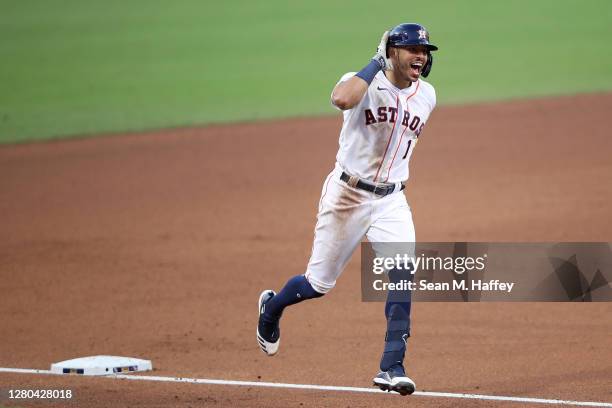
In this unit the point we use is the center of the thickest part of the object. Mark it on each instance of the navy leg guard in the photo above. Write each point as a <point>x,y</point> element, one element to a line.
<point>397,312</point>
<point>398,325</point>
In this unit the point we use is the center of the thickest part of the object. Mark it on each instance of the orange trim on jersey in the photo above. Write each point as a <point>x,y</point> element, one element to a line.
<point>390,137</point>
<point>395,154</point>
<point>415,91</point>
<point>325,188</point>
<point>402,135</point>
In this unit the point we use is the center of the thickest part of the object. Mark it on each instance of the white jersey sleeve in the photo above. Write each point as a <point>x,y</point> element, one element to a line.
<point>344,77</point>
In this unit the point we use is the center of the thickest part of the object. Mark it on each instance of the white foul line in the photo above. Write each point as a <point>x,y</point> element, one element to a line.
<point>322,388</point>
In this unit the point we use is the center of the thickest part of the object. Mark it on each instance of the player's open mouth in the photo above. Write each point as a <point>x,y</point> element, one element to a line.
<point>416,67</point>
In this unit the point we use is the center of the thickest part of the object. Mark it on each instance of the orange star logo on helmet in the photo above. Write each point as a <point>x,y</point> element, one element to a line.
<point>423,34</point>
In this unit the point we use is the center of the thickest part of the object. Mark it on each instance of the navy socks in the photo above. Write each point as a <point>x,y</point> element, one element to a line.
<point>296,290</point>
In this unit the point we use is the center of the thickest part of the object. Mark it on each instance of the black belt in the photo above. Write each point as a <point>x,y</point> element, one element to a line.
<point>371,187</point>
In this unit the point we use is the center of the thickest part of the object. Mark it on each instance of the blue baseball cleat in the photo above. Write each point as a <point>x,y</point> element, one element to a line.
<point>268,330</point>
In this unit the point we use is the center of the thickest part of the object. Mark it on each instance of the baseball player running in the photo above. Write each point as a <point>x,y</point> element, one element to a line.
<point>385,107</point>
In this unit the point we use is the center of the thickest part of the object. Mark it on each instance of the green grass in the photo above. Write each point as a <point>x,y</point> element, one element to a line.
<point>84,67</point>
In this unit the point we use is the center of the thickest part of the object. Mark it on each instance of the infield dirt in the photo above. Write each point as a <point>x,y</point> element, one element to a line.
<point>157,245</point>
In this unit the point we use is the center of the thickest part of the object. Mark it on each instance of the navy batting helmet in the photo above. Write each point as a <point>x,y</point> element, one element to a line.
<point>407,34</point>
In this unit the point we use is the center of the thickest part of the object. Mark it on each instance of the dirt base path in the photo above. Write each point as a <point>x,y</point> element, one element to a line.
<point>157,245</point>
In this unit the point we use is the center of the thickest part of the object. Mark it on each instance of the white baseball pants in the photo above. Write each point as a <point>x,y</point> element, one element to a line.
<point>346,215</point>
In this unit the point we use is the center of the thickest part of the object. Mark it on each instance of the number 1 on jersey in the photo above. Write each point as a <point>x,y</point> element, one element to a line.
<point>407,149</point>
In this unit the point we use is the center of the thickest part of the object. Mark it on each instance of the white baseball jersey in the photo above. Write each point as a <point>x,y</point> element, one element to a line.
<point>379,134</point>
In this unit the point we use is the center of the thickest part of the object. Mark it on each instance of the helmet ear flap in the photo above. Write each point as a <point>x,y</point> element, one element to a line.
<point>427,67</point>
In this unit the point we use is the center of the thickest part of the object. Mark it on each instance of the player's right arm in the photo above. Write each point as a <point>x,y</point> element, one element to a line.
<point>348,93</point>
